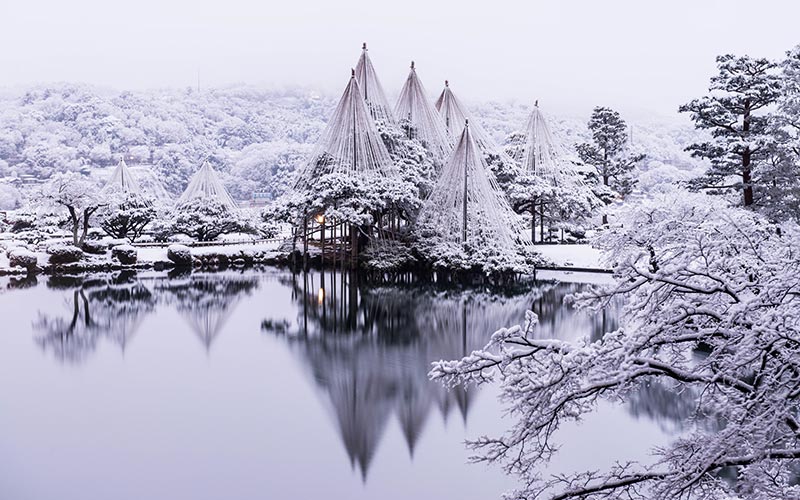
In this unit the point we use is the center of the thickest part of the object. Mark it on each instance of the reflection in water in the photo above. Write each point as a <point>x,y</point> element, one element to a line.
<point>109,307</point>
<point>113,307</point>
<point>369,347</point>
<point>205,300</point>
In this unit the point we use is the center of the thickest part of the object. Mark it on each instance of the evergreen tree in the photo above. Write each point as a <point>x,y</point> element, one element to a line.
<point>780,194</point>
<point>609,153</point>
<point>734,113</point>
<point>126,215</point>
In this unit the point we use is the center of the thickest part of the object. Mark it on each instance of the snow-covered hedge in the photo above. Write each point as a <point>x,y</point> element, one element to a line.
<point>181,255</point>
<point>125,254</point>
<point>21,257</point>
<point>95,247</point>
<point>64,254</point>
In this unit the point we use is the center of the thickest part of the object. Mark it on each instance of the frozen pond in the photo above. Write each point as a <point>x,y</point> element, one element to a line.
<point>269,385</point>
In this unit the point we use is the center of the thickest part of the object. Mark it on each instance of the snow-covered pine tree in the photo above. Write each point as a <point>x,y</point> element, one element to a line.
<point>735,112</point>
<point>608,153</point>
<point>778,196</point>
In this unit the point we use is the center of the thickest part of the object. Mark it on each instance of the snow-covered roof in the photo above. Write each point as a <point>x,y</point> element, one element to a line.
<point>467,205</point>
<point>372,90</point>
<point>350,142</point>
<point>206,184</point>
<point>540,154</point>
<point>414,105</point>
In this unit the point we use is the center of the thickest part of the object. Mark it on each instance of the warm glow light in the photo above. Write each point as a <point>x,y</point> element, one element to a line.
<point>320,219</point>
<point>321,296</point>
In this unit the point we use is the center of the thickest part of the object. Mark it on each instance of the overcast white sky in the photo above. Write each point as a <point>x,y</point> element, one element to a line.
<point>635,55</point>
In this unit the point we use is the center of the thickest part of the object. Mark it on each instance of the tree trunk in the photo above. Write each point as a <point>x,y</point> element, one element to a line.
<point>605,182</point>
<point>747,185</point>
<point>86,215</point>
<point>75,225</point>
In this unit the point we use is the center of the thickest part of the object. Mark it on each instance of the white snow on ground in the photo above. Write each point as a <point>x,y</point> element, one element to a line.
<point>159,254</point>
<point>576,277</point>
<point>572,255</point>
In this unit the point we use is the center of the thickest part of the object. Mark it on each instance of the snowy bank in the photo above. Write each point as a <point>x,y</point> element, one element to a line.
<point>577,256</point>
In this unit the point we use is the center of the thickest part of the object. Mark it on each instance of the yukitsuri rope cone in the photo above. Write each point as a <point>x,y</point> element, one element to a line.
<point>122,180</point>
<point>371,88</point>
<point>467,211</point>
<point>350,143</point>
<point>540,155</point>
<point>413,105</point>
<point>455,116</point>
<point>206,184</point>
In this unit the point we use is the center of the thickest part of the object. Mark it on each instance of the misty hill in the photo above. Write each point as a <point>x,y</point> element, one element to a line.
<point>255,137</point>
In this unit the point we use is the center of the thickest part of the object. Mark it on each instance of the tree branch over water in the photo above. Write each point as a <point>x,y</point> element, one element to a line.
<point>717,314</point>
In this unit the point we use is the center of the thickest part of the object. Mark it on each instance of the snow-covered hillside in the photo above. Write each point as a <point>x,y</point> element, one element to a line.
<point>254,137</point>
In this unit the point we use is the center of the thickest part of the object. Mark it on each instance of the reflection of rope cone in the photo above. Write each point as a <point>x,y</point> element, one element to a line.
<point>369,348</point>
<point>206,301</point>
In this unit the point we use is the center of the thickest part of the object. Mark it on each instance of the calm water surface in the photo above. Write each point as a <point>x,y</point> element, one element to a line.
<point>268,385</point>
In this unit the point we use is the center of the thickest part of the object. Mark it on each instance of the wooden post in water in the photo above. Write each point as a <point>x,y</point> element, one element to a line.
<point>354,245</point>
<point>322,241</point>
<point>305,240</point>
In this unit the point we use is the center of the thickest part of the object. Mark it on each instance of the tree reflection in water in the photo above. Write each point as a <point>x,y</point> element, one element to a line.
<point>205,300</point>
<point>113,306</point>
<point>369,346</point>
<point>109,306</point>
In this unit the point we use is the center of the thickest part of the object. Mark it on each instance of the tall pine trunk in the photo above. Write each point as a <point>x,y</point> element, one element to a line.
<point>747,185</point>
<point>605,182</point>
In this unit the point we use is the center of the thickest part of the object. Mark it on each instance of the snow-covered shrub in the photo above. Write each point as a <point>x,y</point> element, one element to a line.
<point>125,254</point>
<point>64,254</point>
<point>94,247</point>
<point>10,197</point>
<point>204,219</point>
<point>181,255</point>
<point>161,229</point>
<point>126,215</point>
<point>269,229</point>
<point>21,257</point>
<point>43,221</point>
<point>388,256</point>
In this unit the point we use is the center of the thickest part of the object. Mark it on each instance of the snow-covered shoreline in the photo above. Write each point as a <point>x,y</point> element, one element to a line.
<point>563,258</point>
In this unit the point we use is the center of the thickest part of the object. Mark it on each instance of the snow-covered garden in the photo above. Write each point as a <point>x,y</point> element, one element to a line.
<point>705,258</point>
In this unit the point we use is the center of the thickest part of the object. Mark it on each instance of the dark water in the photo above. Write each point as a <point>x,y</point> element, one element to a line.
<point>269,385</point>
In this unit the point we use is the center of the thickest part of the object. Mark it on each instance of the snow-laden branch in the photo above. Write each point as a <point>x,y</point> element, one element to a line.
<point>712,306</point>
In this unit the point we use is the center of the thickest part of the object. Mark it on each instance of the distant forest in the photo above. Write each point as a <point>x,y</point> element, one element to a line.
<point>254,137</point>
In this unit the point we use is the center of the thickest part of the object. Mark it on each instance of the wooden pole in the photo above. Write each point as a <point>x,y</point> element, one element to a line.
<point>305,240</point>
<point>322,241</point>
<point>466,159</point>
<point>541,217</point>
